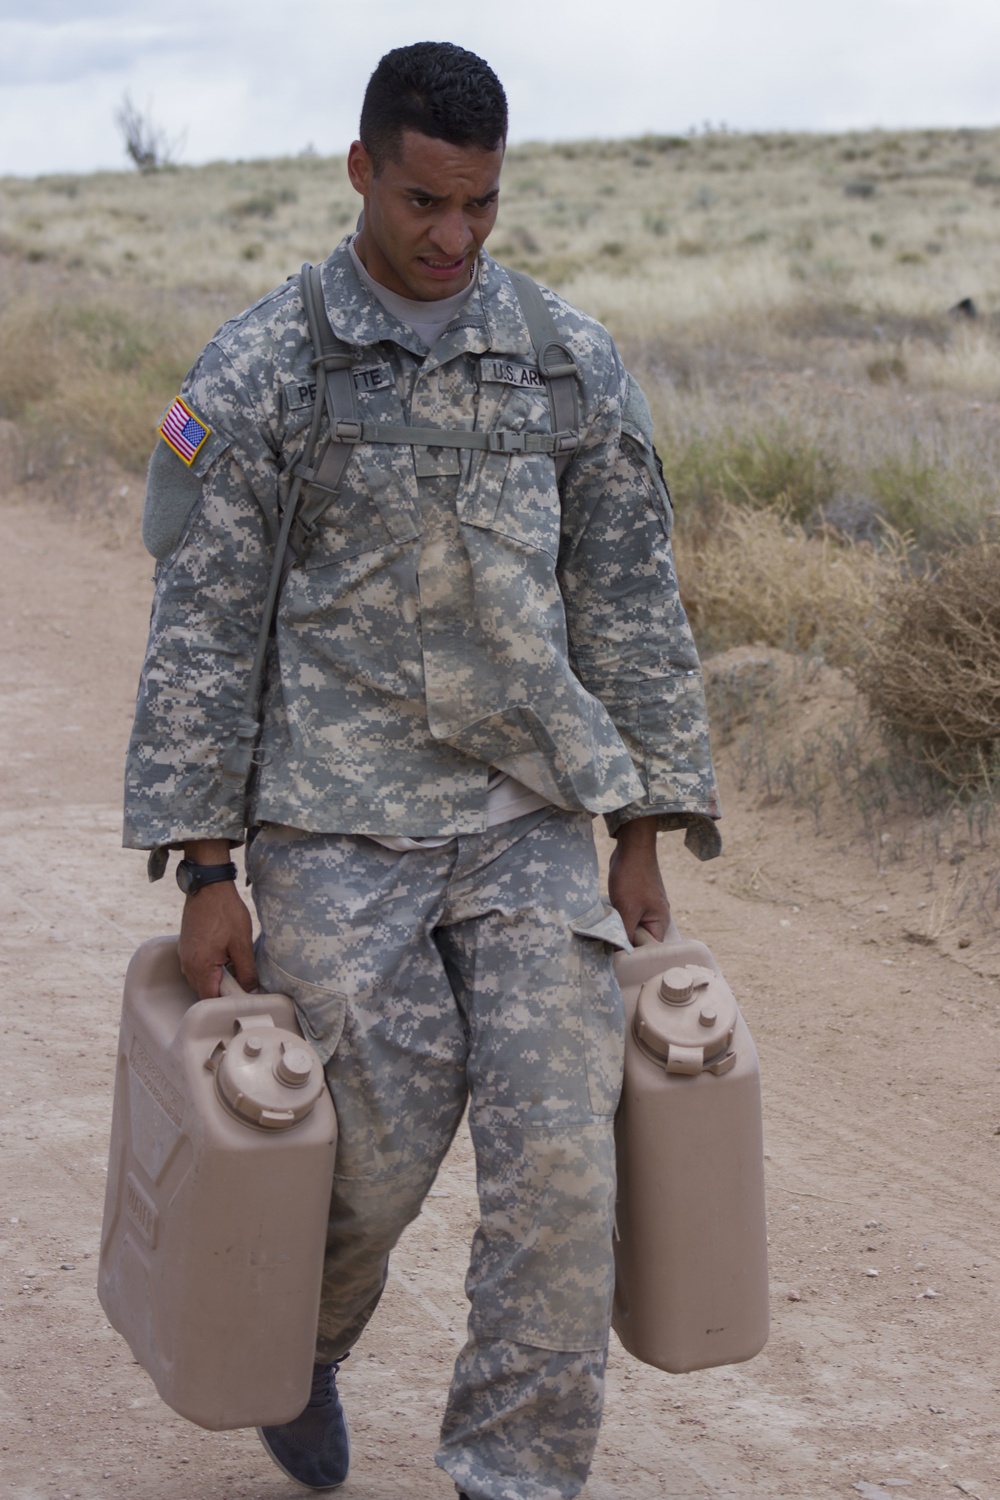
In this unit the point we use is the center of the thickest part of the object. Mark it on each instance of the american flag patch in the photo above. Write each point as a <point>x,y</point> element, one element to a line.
<point>184,432</point>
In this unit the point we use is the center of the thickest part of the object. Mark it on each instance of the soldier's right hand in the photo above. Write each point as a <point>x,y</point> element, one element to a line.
<point>216,930</point>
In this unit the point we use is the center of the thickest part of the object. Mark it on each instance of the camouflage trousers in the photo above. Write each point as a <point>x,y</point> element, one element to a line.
<point>479,970</point>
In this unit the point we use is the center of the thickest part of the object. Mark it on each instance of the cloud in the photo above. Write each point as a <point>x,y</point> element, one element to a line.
<point>65,54</point>
<point>244,78</point>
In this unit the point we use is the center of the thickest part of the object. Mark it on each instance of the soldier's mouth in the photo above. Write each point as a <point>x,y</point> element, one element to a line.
<point>443,269</point>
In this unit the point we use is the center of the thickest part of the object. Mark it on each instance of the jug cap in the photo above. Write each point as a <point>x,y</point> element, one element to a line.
<point>685,1018</point>
<point>267,1076</point>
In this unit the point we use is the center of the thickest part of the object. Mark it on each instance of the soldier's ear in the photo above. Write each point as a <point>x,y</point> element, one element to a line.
<point>360,168</point>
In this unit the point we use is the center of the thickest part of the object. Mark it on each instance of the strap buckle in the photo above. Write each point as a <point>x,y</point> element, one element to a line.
<point>348,430</point>
<point>565,442</point>
<point>508,442</point>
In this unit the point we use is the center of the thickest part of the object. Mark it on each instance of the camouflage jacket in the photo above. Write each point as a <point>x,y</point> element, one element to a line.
<point>457,611</point>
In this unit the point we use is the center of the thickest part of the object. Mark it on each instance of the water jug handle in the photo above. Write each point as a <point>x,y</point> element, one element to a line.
<point>229,987</point>
<point>643,936</point>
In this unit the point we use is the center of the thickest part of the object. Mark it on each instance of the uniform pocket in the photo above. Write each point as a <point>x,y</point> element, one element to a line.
<point>173,489</point>
<point>605,925</point>
<point>320,1012</point>
<point>515,494</point>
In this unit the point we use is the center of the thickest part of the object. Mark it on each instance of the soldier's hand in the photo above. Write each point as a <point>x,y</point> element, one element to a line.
<point>635,884</point>
<point>216,930</point>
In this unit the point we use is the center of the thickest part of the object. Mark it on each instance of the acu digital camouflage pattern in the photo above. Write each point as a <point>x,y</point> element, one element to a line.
<point>481,967</point>
<point>456,612</point>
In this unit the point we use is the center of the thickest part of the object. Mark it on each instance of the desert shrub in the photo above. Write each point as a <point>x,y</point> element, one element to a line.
<point>25,374</point>
<point>776,466</point>
<point>910,490</point>
<point>263,205</point>
<point>931,671</point>
<point>757,576</point>
<point>146,144</point>
<point>936,501</point>
<point>259,206</point>
<point>886,369</point>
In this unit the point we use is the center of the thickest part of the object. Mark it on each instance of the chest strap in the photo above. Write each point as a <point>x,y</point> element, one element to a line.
<point>348,433</point>
<point>333,360</point>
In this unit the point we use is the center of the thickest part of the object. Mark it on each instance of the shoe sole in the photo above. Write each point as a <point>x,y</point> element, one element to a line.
<point>294,1477</point>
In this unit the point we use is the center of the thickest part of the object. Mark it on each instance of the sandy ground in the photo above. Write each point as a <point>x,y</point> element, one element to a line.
<point>879,1058</point>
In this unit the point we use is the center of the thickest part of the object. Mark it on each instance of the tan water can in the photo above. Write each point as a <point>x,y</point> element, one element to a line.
<point>691,1239</point>
<point>222,1146</point>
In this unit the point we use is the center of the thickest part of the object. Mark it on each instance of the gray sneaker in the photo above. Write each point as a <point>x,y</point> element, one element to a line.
<point>314,1449</point>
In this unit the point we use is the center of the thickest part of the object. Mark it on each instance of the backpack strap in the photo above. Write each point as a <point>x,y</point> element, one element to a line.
<point>556,365</point>
<point>238,758</point>
<point>332,361</point>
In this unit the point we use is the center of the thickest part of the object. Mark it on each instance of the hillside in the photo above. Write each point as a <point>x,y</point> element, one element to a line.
<point>784,298</point>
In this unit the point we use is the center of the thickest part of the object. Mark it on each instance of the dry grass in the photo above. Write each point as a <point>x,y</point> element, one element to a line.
<point>757,576</point>
<point>654,235</point>
<point>834,453</point>
<point>931,669</point>
<point>85,373</point>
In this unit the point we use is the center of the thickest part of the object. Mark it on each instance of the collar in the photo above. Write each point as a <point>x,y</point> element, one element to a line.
<point>415,314</point>
<point>491,320</point>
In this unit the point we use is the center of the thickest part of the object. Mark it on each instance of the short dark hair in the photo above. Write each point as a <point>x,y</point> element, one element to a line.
<point>437,89</point>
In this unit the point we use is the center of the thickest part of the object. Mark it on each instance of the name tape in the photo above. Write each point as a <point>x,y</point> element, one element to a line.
<point>300,393</point>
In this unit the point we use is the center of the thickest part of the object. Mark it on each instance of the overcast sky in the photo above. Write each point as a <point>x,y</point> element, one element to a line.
<point>252,78</point>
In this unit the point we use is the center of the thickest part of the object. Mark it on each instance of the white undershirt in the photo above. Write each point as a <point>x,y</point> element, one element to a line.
<point>506,798</point>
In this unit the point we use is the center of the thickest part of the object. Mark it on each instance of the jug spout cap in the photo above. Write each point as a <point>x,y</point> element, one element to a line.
<point>294,1066</point>
<point>685,1018</point>
<point>677,986</point>
<point>266,1076</point>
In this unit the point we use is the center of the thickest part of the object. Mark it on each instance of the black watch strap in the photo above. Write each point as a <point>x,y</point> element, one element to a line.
<point>191,877</point>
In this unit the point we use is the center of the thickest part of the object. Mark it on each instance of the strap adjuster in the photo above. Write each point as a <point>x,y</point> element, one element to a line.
<point>333,360</point>
<point>309,477</point>
<point>347,430</point>
<point>505,441</point>
<point>555,361</point>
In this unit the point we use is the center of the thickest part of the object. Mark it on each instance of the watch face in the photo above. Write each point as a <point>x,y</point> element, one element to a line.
<point>187,878</point>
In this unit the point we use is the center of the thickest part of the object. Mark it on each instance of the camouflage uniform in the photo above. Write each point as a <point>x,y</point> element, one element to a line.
<point>420,977</point>
<point>457,612</point>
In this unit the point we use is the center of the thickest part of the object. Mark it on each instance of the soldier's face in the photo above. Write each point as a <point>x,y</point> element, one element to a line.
<point>426,214</point>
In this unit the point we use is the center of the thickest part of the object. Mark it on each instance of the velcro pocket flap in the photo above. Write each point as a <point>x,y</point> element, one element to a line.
<point>603,924</point>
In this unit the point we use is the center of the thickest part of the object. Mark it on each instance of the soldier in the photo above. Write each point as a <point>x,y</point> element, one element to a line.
<point>478,646</point>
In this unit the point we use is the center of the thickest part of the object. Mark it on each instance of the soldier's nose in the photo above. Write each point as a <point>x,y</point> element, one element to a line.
<point>452,237</point>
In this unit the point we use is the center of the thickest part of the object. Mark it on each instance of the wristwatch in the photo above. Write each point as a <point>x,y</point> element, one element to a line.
<point>191,877</point>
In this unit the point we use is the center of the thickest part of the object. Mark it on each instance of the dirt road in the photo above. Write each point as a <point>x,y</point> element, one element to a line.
<point>882,1133</point>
